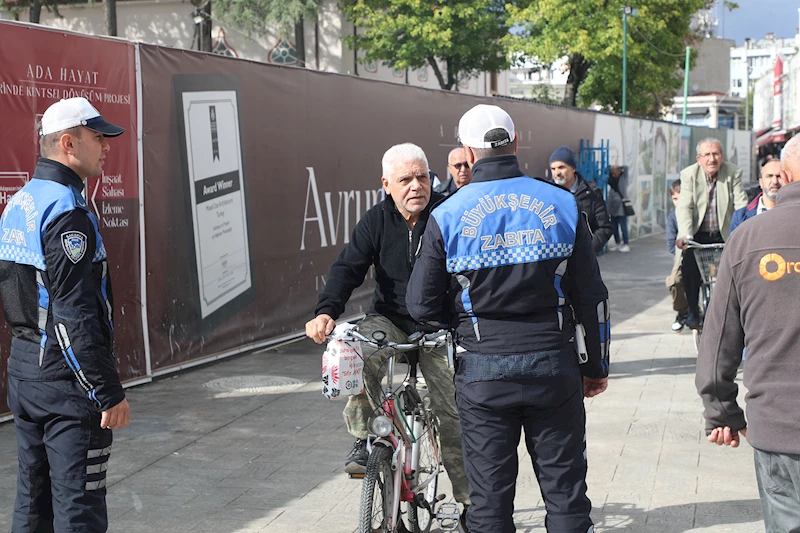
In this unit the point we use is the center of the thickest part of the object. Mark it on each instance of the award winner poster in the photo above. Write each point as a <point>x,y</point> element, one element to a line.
<point>214,178</point>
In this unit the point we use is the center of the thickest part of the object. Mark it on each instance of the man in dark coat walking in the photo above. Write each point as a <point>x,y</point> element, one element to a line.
<point>590,199</point>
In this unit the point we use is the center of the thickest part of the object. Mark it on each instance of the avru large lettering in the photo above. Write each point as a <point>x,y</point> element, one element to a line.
<point>312,211</point>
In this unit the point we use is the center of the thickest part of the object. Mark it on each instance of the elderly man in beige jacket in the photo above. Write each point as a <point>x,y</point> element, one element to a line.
<point>711,190</point>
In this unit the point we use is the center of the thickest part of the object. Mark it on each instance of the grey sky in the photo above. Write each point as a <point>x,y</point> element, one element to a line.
<point>755,18</point>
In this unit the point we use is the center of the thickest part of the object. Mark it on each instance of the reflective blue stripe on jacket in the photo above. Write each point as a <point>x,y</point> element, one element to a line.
<point>55,287</point>
<point>505,260</point>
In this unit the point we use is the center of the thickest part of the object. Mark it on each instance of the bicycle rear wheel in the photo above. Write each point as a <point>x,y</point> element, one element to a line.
<point>421,513</point>
<point>377,493</point>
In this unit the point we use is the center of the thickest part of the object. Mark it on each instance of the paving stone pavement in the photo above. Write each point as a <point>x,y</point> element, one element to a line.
<point>198,460</point>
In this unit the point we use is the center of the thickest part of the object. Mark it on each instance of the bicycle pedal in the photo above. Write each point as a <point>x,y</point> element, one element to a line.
<point>355,476</point>
<point>448,516</point>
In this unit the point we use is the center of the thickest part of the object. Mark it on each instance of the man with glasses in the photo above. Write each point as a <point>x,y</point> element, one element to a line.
<point>770,182</point>
<point>711,190</point>
<point>458,171</point>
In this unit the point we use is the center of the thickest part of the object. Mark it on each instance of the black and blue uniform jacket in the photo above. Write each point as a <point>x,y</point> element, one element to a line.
<point>55,286</point>
<point>508,262</point>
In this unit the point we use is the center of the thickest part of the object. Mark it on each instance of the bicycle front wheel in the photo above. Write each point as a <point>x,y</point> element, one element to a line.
<point>422,512</point>
<point>377,493</point>
<point>706,295</point>
<point>696,334</point>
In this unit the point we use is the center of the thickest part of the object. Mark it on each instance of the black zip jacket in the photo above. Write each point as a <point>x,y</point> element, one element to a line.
<point>590,201</point>
<point>381,238</point>
<point>55,287</point>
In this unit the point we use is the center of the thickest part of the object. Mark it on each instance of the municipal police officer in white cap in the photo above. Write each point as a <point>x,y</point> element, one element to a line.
<point>63,386</point>
<point>509,260</point>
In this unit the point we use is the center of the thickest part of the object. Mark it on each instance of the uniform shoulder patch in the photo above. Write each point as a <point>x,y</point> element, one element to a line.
<point>74,243</point>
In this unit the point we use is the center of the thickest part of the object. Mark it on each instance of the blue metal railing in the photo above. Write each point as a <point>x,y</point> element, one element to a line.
<point>593,163</point>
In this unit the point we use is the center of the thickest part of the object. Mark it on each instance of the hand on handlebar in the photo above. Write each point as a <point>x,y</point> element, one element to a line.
<point>682,242</point>
<point>319,328</point>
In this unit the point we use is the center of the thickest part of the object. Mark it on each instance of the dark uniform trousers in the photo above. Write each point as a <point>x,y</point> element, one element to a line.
<point>493,415</point>
<point>60,440</point>
<point>692,280</point>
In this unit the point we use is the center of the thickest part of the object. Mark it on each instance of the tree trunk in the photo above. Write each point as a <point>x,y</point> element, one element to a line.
<point>110,10</point>
<point>445,85</point>
<point>452,79</point>
<point>316,43</point>
<point>300,42</point>
<point>205,28</point>
<point>35,12</point>
<point>578,70</point>
<point>436,71</point>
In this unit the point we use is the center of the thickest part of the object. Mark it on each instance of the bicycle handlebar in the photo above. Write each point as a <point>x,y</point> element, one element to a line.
<point>694,244</point>
<point>428,340</point>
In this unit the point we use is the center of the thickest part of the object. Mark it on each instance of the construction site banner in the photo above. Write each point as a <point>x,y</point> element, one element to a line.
<point>37,68</point>
<point>256,176</point>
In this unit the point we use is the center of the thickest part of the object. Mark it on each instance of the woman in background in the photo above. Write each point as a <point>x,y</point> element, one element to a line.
<point>617,190</point>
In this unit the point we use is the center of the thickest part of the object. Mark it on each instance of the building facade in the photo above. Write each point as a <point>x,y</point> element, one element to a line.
<point>172,23</point>
<point>776,106</point>
<point>542,81</point>
<point>710,109</point>
<point>756,58</point>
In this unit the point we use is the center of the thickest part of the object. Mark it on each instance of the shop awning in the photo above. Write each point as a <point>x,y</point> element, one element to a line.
<point>771,136</point>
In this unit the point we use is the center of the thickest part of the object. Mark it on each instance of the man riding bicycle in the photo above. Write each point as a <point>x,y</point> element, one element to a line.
<point>388,237</point>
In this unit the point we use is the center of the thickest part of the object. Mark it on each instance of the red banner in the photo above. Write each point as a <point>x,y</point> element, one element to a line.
<point>37,68</point>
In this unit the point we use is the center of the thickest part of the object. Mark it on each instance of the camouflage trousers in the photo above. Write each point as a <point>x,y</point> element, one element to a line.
<point>441,390</point>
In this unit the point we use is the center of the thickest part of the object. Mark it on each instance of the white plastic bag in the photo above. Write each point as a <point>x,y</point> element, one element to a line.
<point>342,366</point>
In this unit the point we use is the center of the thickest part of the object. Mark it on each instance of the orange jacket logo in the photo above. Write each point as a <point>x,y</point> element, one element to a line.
<point>773,267</point>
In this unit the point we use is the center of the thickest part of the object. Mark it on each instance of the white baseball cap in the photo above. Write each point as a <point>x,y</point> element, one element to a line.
<point>480,120</point>
<point>72,112</point>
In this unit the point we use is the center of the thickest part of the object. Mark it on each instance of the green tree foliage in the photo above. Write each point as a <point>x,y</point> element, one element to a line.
<point>455,37</point>
<point>589,33</point>
<point>254,17</point>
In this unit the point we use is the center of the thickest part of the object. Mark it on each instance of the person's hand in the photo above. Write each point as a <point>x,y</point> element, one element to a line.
<point>116,417</point>
<point>723,436</point>
<point>681,243</point>
<point>319,328</point>
<point>594,386</point>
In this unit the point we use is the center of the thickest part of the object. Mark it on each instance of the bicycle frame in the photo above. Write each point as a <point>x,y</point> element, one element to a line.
<point>405,446</point>
<point>410,425</point>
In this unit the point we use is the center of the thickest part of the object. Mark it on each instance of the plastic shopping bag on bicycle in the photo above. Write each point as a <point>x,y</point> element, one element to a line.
<point>342,367</point>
